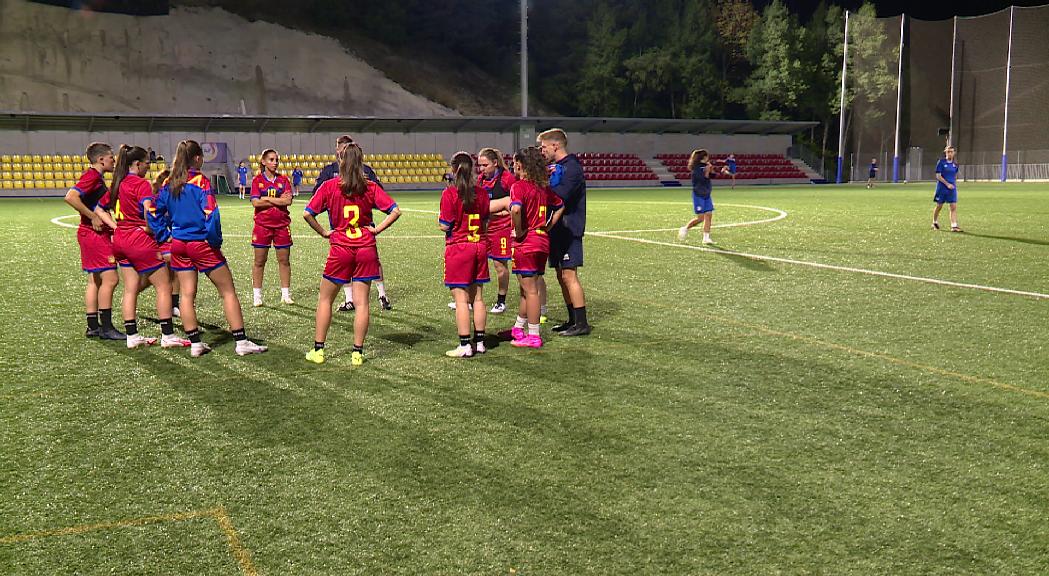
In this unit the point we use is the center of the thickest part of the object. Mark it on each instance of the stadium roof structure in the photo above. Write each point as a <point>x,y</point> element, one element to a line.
<point>89,122</point>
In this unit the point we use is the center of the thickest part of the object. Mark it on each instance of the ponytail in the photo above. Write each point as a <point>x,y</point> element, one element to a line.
<point>185,154</point>
<point>352,181</point>
<point>462,174</point>
<point>159,181</point>
<point>125,157</point>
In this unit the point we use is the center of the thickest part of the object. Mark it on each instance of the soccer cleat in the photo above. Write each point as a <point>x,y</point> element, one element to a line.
<point>682,233</point>
<point>198,349</point>
<point>528,341</point>
<point>287,300</point>
<point>356,358</point>
<point>136,340</point>
<point>479,348</point>
<point>172,341</point>
<point>176,313</point>
<point>111,334</point>
<point>451,305</point>
<point>577,330</point>
<point>256,302</point>
<point>498,308</point>
<point>460,352</point>
<point>347,306</point>
<point>955,229</point>
<point>935,225</point>
<point>563,327</point>
<point>385,302</point>
<point>543,319</point>
<point>245,347</point>
<point>91,333</point>
<point>514,333</point>
<point>707,240</point>
<point>316,356</point>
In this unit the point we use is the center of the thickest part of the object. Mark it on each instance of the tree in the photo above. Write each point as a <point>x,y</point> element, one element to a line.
<point>775,86</point>
<point>601,83</point>
<point>873,60</point>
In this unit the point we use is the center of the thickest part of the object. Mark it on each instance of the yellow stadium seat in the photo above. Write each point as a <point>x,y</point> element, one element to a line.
<point>8,185</point>
<point>5,158</point>
<point>67,158</point>
<point>45,158</point>
<point>18,185</point>
<point>16,158</point>
<point>36,158</point>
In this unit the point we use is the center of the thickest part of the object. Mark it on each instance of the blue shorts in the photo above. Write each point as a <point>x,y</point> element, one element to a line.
<point>872,175</point>
<point>702,204</point>
<point>945,196</point>
<point>566,251</point>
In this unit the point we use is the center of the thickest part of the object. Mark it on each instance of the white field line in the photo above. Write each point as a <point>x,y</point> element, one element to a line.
<point>822,266</point>
<point>780,215</point>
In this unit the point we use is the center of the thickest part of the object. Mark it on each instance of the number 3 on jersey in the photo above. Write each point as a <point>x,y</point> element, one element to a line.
<point>352,212</point>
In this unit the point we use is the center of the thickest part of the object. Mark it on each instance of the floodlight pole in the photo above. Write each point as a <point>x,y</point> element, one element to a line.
<point>950,114</point>
<point>841,119</point>
<point>524,58</point>
<point>1008,74</point>
<point>899,106</point>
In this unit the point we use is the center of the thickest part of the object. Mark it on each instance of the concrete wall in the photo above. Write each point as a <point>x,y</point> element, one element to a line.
<point>244,143</point>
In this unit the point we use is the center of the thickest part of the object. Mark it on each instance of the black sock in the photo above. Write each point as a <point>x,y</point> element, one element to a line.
<point>239,335</point>
<point>92,320</point>
<point>357,348</point>
<point>571,313</point>
<point>502,299</point>
<point>193,335</point>
<point>131,327</point>
<point>167,328</point>
<point>464,340</point>
<point>105,317</point>
<point>174,300</point>
<point>580,316</point>
<point>318,345</point>
<point>478,335</point>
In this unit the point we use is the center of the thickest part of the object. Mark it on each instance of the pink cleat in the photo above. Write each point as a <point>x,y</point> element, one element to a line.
<point>528,341</point>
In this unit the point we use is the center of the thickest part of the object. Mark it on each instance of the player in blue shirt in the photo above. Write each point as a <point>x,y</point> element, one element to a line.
<point>702,170</point>
<point>242,179</point>
<point>730,163</point>
<point>296,180</point>
<point>946,189</point>
<point>872,173</point>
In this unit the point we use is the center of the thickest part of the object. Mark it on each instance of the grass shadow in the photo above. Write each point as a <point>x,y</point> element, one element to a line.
<point>1031,241</point>
<point>747,262</point>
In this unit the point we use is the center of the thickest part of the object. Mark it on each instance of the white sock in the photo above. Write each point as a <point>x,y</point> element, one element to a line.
<point>380,287</point>
<point>349,293</point>
<point>954,224</point>
<point>533,329</point>
<point>285,293</point>
<point>521,322</point>
<point>257,293</point>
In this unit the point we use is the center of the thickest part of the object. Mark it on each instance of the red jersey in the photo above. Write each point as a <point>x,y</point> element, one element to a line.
<point>349,217</point>
<point>91,188</point>
<point>465,226</point>
<point>263,187</point>
<point>128,211</point>
<point>535,203</point>
<point>498,186</point>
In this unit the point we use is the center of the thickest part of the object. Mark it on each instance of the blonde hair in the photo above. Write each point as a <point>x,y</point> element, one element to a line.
<point>494,156</point>
<point>555,135</point>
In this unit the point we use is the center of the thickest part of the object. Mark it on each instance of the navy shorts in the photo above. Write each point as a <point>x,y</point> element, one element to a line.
<point>702,204</point>
<point>945,196</point>
<point>566,251</point>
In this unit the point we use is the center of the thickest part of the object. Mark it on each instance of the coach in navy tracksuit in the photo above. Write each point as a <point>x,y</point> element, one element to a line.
<point>332,170</point>
<point>566,239</point>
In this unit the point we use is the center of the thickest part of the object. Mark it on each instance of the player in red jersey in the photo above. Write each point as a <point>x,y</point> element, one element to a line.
<point>464,220</point>
<point>352,257</point>
<point>497,178</point>
<point>94,235</point>
<point>165,248</point>
<point>186,212</point>
<point>534,208</point>
<point>133,244</point>
<point>271,194</point>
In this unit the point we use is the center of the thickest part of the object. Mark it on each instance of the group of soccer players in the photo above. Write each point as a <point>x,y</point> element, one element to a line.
<point>167,232</point>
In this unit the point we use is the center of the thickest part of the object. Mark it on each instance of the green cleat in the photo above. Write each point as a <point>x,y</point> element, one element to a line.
<point>316,356</point>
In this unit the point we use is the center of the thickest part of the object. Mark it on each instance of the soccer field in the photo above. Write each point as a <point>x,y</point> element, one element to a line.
<point>831,388</point>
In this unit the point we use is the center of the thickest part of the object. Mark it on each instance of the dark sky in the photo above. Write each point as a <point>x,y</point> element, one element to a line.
<point>918,9</point>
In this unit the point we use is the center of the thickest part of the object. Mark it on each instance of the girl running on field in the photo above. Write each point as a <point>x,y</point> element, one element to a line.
<point>187,212</point>
<point>464,220</point>
<point>702,170</point>
<point>271,194</point>
<point>352,258</point>
<point>129,202</point>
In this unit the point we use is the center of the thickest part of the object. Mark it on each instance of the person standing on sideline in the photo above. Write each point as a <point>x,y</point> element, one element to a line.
<point>296,180</point>
<point>566,241</point>
<point>872,173</point>
<point>242,179</point>
<point>946,189</point>
<point>730,163</point>
<point>332,171</point>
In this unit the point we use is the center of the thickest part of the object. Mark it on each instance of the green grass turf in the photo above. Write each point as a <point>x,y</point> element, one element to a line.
<point>727,416</point>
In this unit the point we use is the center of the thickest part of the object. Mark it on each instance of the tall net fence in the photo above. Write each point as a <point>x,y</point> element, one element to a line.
<point>953,86</point>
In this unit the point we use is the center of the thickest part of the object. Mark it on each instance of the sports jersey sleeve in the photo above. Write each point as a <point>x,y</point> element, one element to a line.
<point>212,220</point>
<point>104,201</point>
<point>567,181</point>
<point>383,201</point>
<point>256,187</point>
<point>89,181</point>
<point>448,213</point>
<point>327,173</point>
<point>143,192</point>
<point>940,165</point>
<point>158,218</point>
<point>481,201</point>
<point>317,204</point>
<point>515,194</point>
<point>370,174</point>
<point>553,200</point>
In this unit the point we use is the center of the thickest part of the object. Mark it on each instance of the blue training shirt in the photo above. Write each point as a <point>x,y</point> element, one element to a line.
<point>243,172</point>
<point>332,171</point>
<point>701,184</point>
<point>949,171</point>
<point>569,183</point>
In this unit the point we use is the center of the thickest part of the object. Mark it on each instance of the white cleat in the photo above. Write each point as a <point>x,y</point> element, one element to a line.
<point>172,341</point>
<point>176,313</point>
<point>256,302</point>
<point>479,348</point>
<point>136,340</point>
<point>460,352</point>
<point>682,233</point>
<point>287,300</point>
<point>198,349</point>
<point>451,305</point>
<point>498,308</point>
<point>245,347</point>
<point>707,240</point>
